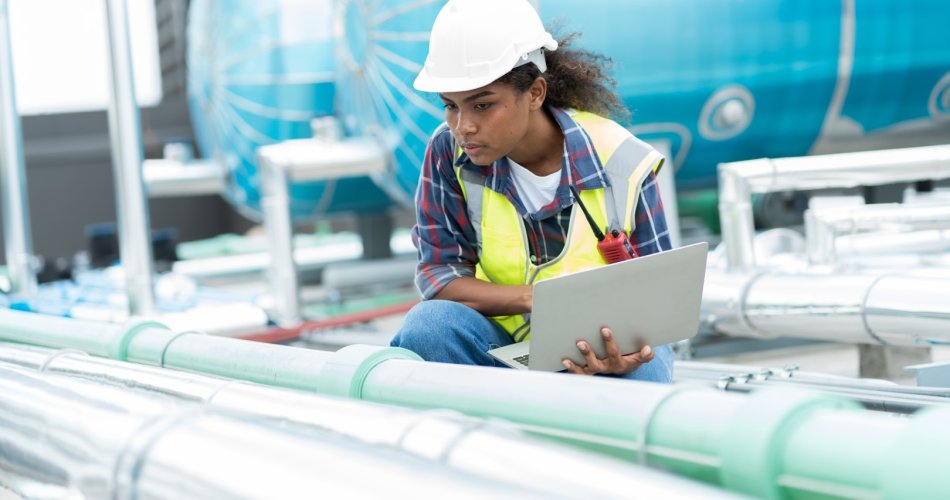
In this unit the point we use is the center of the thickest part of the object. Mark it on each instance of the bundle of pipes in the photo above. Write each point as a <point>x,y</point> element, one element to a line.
<point>870,307</point>
<point>873,306</point>
<point>739,180</point>
<point>877,229</point>
<point>872,394</point>
<point>140,426</point>
<point>773,443</point>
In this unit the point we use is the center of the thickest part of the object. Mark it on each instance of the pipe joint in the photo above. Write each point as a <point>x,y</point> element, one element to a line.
<point>758,432</point>
<point>118,347</point>
<point>346,370</point>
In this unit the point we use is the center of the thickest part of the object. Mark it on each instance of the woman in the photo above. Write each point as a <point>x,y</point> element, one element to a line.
<point>523,139</point>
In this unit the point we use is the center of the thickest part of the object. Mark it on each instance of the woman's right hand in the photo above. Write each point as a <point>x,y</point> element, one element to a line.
<point>614,364</point>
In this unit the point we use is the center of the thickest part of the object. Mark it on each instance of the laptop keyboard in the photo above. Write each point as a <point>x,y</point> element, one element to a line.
<point>522,359</point>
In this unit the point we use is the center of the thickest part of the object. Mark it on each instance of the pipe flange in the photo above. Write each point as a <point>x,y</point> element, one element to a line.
<point>753,441</point>
<point>119,348</point>
<point>344,373</point>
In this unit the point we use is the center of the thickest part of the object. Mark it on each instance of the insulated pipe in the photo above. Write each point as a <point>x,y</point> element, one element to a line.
<point>472,446</point>
<point>303,160</point>
<point>738,442</point>
<point>152,343</point>
<point>842,231</point>
<point>125,132</point>
<point>119,444</point>
<point>739,180</point>
<point>170,178</point>
<point>16,214</point>
<point>898,309</point>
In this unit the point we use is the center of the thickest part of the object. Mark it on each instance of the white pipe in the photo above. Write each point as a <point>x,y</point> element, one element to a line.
<point>170,178</point>
<point>876,229</point>
<point>870,308</point>
<point>18,240</point>
<point>125,131</point>
<point>468,445</point>
<point>303,160</point>
<point>738,180</point>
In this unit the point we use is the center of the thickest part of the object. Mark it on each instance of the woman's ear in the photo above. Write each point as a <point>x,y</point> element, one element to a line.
<point>536,93</point>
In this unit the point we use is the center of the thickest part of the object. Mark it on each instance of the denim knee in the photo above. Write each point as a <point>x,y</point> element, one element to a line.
<point>449,332</point>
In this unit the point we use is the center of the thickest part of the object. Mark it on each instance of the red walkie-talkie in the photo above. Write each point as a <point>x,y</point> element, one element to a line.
<point>613,246</point>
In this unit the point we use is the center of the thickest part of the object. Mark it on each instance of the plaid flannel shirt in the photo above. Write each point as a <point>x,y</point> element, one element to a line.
<point>446,240</point>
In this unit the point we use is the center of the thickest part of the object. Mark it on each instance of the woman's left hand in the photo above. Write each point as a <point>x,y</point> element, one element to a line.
<point>614,364</point>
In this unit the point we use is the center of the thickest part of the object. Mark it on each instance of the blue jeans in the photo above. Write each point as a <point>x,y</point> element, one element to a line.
<point>449,332</point>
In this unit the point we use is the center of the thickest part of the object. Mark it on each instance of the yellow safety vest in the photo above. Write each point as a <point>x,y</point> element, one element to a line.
<point>503,256</point>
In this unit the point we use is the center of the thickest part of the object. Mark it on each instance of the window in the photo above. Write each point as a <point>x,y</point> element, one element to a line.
<point>60,54</point>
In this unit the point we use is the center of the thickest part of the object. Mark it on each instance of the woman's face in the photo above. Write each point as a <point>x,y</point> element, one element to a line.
<point>487,122</point>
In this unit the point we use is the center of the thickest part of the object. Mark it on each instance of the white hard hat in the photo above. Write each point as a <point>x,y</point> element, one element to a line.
<point>475,42</point>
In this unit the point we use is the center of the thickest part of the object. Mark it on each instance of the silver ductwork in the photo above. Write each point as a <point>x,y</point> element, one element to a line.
<point>900,309</point>
<point>754,288</point>
<point>739,180</point>
<point>101,442</point>
<point>881,229</point>
<point>467,447</point>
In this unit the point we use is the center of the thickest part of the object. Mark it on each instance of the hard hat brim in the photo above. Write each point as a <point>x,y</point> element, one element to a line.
<point>427,82</point>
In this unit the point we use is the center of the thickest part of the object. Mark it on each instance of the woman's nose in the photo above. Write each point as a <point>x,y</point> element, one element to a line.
<point>465,125</point>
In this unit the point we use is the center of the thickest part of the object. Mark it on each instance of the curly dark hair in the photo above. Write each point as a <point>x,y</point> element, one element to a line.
<point>576,79</point>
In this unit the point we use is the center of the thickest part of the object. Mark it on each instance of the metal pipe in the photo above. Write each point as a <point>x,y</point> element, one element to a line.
<point>18,239</point>
<point>169,178</point>
<point>893,228</point>
<point>119,444</point>
<point>698,432</point>
<point>125,133</point>
<point>299,160</point>
<point>882,308</point>
<point>306,259</point>
<point>872,394</point>
<point>468,445</point>
<point>738,180</point>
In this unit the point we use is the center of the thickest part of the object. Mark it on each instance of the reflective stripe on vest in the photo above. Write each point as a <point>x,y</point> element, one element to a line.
<point>503,244</point>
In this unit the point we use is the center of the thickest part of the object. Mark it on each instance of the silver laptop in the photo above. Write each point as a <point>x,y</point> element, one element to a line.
<point>652,300</point>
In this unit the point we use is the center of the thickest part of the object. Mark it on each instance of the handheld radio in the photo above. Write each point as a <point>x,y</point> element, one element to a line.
<point>614,246</point>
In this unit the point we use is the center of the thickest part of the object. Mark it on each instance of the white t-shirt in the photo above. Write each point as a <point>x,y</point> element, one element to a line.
<point>534,191</point>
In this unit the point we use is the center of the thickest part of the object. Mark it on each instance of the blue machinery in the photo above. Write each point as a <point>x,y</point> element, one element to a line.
<point>716,80</point>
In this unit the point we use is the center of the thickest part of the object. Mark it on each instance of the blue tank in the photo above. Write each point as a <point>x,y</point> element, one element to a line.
<point>716,80</point>
<point>258,72</point>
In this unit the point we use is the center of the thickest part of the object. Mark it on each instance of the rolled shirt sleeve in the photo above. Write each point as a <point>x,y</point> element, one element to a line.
<point>650,232</point>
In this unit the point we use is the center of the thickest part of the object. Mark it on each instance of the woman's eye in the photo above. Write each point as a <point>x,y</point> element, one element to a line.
<point>448,107</point>
<point>482,106</point>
